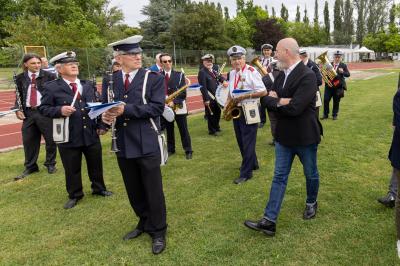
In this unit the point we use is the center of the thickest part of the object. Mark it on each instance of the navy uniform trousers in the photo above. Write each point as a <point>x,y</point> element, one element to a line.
<point>246,136</point>
<point>33,127</point>
<point>181,121</point>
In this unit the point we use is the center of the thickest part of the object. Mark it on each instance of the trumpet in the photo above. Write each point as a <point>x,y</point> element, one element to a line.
<point>256,62</point>
<point>231,111</point>
<point>328,73</point>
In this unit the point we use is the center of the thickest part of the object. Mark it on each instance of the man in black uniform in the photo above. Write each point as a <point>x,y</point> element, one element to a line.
<point>137,141</point>
<point>336,92</point>
<point>174,80</point>
<point>30,86</point>
<point>209,80</point>
<point>83,132</point>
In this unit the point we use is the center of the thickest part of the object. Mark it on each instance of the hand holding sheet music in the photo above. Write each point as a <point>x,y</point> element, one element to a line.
<point>97,109</point>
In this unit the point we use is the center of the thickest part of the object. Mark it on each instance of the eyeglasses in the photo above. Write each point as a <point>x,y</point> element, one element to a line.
<point>167,61</point>
<point>131,54</point>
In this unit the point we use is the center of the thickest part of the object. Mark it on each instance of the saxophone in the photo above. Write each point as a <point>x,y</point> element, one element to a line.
<point>231,111</point>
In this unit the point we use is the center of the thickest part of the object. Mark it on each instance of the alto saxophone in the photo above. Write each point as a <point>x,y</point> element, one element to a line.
<point>231,111</point>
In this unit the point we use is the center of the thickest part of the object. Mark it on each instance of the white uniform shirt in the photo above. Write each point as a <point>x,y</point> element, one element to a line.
<point>131,75</point>
<point>247,78</point>
<point>28,95</point>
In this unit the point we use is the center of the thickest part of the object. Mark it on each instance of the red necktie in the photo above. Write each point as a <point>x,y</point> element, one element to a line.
<point>166,83</point>
<point>33,98</point>
<point>74,89</point>
<point>126,84</point>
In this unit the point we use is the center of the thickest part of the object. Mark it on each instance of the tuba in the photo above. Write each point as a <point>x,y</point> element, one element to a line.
<point>328,73</point>
<point>256,62</point>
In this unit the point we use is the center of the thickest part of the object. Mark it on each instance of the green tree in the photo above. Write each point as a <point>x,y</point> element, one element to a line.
<point>360,5</point>
<point>284,13</point>
<point>306,20</point>
<point>338,22</point>
<point>219,8</point>
<point>327,23</point>
<point>226,13</point>
<point>157,25</point>
<point>347,28</point>
<point>198,18</point>
<point>273,12</point>
<point>316,20</point>
<point>239,30</point>
<point>298,14</point>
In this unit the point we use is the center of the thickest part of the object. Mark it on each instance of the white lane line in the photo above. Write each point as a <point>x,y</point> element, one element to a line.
<point>9,134</point>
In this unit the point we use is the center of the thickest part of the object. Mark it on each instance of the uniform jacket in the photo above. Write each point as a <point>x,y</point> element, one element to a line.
<point>23,82</point>
<point>209,81</point>
<point>135,134</point>
<point>176,81</point>
<point>82,130</point>
<point>342,76</point>
<point>313,66</point>
<point>297,122</point>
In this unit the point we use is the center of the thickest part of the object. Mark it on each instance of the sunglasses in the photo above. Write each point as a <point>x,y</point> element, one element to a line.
<point>167,61</point>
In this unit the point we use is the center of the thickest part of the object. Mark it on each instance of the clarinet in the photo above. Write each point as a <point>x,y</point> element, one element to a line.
<point>18,95</point>
<point>110,99</point>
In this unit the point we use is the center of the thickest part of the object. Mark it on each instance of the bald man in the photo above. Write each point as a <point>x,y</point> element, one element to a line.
<point>298,132</point>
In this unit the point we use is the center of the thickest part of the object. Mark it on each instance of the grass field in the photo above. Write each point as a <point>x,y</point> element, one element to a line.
<point>206,210</point>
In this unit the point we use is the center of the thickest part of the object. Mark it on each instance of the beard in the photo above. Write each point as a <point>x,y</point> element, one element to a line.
<point>281,65</point>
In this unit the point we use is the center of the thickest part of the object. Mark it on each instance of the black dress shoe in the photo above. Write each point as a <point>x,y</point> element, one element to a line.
<point>334,117</point>
<point>324,117</point>
<point>51,169</point>
<point>264,225</point>
<point>71,203</point>
<point>189,156</point>
<point>388,200</point>
<point>104,193</point>
<point>158,245</point>
<point>240,180</point>
<point>133,234</point>
<point>170,153</point>
<point>26,173</point>
<point>310,211</point>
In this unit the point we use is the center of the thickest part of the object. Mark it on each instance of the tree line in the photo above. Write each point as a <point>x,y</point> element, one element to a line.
<point>208,26</point>
<point>194,25</point>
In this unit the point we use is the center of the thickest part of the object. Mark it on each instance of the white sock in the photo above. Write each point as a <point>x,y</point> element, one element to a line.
<point>398,248</point>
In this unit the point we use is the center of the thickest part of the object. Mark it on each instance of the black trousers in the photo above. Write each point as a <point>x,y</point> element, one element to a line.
<point>213,119</point>
<point>33,127</point>
<point>263,115</point>
<point>246,136</point>
<point>72,162</point>
<point>181,121</point>
<point>328,95</point>
<point>143,183</point>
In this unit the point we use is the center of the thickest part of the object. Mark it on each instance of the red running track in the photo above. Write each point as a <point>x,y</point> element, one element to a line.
<point>10,134</point>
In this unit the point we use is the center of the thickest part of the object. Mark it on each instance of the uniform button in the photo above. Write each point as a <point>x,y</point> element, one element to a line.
<point>125,96</point>
<point>126,119</point>
<point>124,124</point>
<point>80,101</point>
<point>83,117</point>
<point>82,109</point>
<point>84,126</point>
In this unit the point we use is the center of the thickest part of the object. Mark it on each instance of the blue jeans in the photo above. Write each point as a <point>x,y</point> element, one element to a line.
<point>283,164</point>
